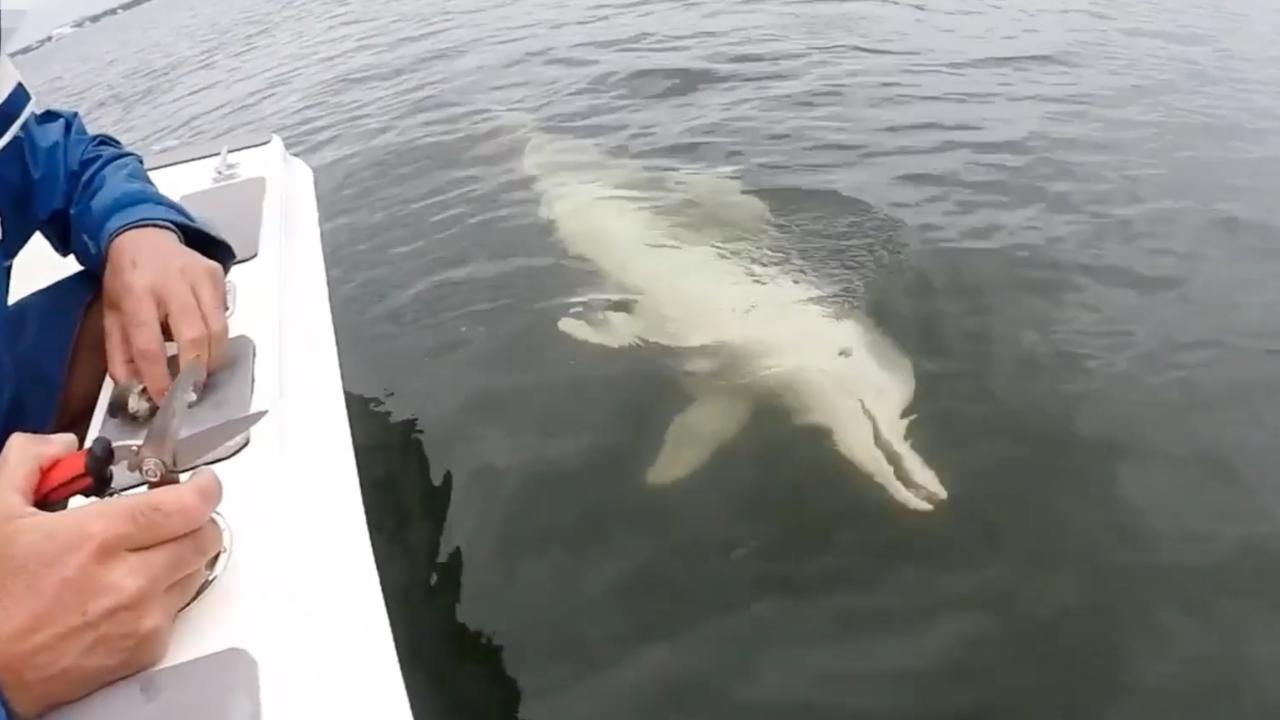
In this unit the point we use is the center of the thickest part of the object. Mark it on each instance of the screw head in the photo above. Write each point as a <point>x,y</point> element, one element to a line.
<point>152,470</point>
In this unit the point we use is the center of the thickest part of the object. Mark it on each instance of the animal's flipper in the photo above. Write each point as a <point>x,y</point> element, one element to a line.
<point>697,432</point>
<point>608,328</point>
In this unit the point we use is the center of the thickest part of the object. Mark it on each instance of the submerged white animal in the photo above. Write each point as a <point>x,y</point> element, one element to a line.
<point>761,334</point>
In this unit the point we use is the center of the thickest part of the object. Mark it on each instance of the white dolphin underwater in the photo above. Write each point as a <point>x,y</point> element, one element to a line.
<point>756,333</point>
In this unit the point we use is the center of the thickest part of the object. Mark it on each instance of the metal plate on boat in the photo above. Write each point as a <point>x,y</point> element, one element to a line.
<point>220,686</point>
<point>233,210</point>
<point>227,394</point>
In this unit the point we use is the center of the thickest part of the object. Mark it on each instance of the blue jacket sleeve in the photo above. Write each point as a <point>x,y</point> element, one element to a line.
<point>84,189</point>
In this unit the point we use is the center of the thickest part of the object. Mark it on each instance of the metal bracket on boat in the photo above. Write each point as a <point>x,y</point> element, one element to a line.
<point>218,563</point>
<point>226,170</point>
<point>227,394</point>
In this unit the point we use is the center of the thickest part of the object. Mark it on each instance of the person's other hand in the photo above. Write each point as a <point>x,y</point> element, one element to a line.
<point>89,595</point>
<point>153,280</point>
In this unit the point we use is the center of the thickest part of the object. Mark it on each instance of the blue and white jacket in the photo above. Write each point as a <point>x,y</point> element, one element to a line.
<point>79,190</point>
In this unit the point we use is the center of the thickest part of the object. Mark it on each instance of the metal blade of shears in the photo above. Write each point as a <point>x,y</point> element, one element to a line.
<point>162,434</point>
<point>198,445</point>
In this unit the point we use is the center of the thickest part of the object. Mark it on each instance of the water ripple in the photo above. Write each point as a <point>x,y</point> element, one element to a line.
<point>1086,197</point>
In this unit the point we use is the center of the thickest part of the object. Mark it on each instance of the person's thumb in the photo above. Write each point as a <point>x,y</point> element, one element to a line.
<point>23,459</point>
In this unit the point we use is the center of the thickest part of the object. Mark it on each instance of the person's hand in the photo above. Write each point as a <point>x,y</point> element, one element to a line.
<point>89,595</point>
<point>151,281</point>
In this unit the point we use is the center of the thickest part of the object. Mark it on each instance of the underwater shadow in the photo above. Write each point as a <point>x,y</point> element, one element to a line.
<point>450,670</point>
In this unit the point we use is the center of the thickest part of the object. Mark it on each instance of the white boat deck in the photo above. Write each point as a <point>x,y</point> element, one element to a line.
<point>301,591</point>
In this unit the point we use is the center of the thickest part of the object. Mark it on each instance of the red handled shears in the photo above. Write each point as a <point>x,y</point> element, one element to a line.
<point>155,461</point>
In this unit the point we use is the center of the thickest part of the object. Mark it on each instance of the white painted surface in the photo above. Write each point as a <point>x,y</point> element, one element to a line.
<point>301,591</point>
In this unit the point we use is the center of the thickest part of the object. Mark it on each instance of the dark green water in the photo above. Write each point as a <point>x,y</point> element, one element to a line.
<point>1086,282</point>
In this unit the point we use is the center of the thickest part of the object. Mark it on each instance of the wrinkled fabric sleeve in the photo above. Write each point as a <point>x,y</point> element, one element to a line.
<point>80,190</point>
<point>87,188</point>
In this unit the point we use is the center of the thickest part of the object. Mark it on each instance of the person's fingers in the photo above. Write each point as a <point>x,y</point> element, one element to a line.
<point>187,324</point>
<point>146,346</point>
<point>21,462</point>
<point>156,516</point>
<point>119,365</point>
<point>210,288</point>
<point>169,562</point>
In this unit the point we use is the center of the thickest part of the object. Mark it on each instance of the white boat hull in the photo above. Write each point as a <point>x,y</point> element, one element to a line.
<point>301,591</point>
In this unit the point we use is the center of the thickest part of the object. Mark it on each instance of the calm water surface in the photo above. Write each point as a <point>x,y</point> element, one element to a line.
<point>1087,284</point>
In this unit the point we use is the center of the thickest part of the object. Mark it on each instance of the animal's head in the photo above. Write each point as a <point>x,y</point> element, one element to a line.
<point>876,383</point>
